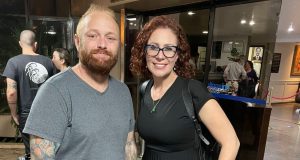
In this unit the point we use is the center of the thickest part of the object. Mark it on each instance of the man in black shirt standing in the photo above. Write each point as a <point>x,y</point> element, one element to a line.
<point>24,74</point>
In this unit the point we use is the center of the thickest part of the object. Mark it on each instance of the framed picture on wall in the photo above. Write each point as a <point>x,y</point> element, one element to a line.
<point>239,45</point>
<point>276,62</point>
<point>217,47</point>
<point>295,70</point>
<point>227,46</point>
<point>257,53</point>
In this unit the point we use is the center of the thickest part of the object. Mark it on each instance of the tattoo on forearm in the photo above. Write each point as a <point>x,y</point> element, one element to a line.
<point>42,149</point>
<point>12,85</point>
<point>130,150</point>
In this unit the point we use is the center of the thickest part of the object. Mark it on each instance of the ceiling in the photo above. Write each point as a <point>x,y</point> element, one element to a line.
<point>264,14</point>
<point>227,19</point>
<point>289,14</point>
<point>148,5</point>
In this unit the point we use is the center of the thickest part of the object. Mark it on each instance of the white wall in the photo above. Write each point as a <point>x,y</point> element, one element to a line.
<point>283,84</point>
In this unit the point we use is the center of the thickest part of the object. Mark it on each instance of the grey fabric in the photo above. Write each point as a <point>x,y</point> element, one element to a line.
<point>100,122</point>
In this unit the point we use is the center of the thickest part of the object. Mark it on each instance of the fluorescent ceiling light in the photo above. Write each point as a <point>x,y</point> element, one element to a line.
<point>204,32</point>
<point>191,13</point>
<point>252,22</point>
<point>131,19</point>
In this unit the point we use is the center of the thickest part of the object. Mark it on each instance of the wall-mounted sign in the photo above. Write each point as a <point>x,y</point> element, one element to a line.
<point>276,62</point>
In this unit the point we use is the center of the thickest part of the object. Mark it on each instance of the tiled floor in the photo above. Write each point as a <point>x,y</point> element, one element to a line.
<point>283,142</point>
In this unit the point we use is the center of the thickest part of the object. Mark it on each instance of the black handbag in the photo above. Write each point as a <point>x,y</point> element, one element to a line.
<point>209,149</point>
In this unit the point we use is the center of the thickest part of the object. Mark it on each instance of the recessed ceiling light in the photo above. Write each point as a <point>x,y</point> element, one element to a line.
<point>252,22</point>
<point>204,32</point>
<point>291,28</point>
<point>191,13</point>
<point>243,21</point>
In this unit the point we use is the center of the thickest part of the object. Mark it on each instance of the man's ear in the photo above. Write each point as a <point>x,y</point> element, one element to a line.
<point>63,61</point>
<point>35,46</point>
<point>77,41</point>
<point>20,43</point>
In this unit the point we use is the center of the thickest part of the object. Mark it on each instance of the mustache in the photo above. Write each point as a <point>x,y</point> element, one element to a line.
<point>100,51</point>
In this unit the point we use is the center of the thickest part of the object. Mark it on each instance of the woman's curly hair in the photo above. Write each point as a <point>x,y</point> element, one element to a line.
<point>138,64</point>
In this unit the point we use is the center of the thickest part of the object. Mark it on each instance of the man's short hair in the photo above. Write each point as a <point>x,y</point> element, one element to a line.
<point>27,37</point>
<point>94,8</point>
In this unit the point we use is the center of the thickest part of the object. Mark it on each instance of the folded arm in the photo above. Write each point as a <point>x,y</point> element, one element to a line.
<point>42,149</point>
<point>220,127</point>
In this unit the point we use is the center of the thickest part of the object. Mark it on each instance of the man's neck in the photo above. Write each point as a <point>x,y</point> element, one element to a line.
<point>28,51</point>
<point>95,80</point>
<point>63,67</point>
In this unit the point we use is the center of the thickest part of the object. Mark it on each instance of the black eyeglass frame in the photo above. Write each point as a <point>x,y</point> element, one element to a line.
<point>161,49</point>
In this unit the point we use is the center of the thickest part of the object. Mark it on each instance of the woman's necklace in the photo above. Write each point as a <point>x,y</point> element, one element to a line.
<point>155,103</point>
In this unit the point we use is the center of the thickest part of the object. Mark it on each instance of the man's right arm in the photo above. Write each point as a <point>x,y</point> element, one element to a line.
<point>226,73</point>
<point>41,149</point>
<point>12,96</point>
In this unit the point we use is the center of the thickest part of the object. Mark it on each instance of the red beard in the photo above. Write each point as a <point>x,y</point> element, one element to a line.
<point>98,66</point>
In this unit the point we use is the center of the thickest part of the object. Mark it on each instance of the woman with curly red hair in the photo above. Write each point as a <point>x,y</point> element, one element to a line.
<point>161,53</point>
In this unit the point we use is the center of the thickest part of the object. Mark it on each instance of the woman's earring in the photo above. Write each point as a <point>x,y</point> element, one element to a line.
<point>174,68</point>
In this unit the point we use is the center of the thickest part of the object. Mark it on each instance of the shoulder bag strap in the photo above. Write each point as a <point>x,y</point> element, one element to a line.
<point>143,88</point>
<point>188,102</point>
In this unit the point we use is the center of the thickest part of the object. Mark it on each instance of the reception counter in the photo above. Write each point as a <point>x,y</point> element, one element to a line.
<point>250,123</point>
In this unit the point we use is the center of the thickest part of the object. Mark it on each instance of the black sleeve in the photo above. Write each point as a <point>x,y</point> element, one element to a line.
<point>10,70</point>
<point>199,93</point>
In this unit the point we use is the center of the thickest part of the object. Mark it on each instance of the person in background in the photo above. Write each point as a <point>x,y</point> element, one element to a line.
<point>252,79</point>
<point>24,74</point>
<point>161,53</point>
<point>61,58</point>
<point>234,73</point>
<point>251,74</point>
<point>84,113</point>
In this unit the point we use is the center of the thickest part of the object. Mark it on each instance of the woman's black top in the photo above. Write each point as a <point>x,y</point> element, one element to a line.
<point>169,132</point>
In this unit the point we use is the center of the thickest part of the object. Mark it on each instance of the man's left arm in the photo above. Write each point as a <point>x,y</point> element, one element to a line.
<point>12,96</point>
<point>130,147</point>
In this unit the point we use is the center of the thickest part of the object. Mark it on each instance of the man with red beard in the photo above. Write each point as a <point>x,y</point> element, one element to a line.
<point>83,113</point>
